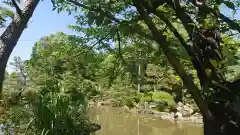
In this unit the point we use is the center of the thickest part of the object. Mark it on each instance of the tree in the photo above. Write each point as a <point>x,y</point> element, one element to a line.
<point>155,22</point>
<point>60,79</point>
<point>19,67</point>
<point>64,58</point>
<point>13,31</point>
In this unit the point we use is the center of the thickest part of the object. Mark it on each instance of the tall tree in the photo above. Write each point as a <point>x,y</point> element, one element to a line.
<point>154,22</point>
<point>13,31</point>
<point>18,65</point>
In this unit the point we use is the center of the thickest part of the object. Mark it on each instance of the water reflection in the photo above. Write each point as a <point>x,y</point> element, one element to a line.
<point>115,121</point>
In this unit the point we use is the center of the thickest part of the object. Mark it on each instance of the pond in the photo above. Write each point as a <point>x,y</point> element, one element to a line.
<point>115,121</point>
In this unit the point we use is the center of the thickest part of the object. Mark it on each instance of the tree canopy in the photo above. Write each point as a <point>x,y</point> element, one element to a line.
<point>147,45</point>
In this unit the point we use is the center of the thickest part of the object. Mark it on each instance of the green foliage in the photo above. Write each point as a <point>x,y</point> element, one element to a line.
<point>54,98</point>
<point>4,14</point>
<point>163,96</point>
<point>146,99</point>
<point>52,110</point>
<point>114,54</point>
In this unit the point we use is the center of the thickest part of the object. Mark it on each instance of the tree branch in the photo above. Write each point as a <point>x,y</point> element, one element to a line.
<point>194,59</point>
<point>163,43</point>
<point>119,46</point>
<point>206,9</point>
<point>107,14</point>
<point>90,48</point>
<point>18,10</point>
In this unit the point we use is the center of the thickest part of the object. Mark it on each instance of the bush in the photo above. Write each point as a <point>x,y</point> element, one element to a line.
<point>130,102</point>
<point>146,99</point>
<point>66,111</point>
<point>126,96</point>
<point>162,96</point>
<point>137,97</point>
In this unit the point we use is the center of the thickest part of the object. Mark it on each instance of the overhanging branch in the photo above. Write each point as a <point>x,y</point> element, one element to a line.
<point>206,9</point>
<point>163,43</point>
<point>109,16</point>
<point>106,14</point>
<point>194,59</point>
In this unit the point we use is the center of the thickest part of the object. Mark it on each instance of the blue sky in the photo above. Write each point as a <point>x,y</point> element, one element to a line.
<point>44,22</point>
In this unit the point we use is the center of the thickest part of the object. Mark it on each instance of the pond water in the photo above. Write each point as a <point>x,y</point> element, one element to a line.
<point>115,121</point>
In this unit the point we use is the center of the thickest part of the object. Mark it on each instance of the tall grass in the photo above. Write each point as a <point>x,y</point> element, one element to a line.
<point>50,113</point>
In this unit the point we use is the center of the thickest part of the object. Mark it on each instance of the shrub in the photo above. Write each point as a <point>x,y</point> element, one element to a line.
<point>66,111</point>
<point>130,102</point>
<point>146,99</point>
<point>163,96</point>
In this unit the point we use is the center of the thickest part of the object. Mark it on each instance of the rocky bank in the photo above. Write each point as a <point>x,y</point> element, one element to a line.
<point>182,113</point>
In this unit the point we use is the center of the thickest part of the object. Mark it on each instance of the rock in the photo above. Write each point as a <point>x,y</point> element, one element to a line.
<point>145,105</point>
<point>152,105</point>
<point>99,104</point>
<point>126,108</point>
<point>91,103</point>
<point>178,115</point>
<point>160,105</point>
<point>103,103</point>
<point>187,111</point>
<point>92,127</point>
<point>180,104</point>
<point>167,116</point>
<point>145,111</point>
<point>179,109</point>
<point>138,106</point>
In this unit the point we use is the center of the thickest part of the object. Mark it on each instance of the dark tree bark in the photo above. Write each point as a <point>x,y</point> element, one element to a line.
<point>163,43</point>
<point>11,35</point>
<point>220,116</point>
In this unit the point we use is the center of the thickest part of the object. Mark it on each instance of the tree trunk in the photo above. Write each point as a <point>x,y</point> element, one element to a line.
<point>209,127</point>
<point>175,62</point>
<point>11,35</point>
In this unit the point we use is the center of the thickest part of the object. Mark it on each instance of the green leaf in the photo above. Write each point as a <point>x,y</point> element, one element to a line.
<point>219,2</point>
<point>106,21</point>
<point>6,12</point>
<point>227,52</point>
<point>208,71</point>
<point>214,63</point>
<point>100,19</point>
<point>229,4</point>
<point>91,16</point>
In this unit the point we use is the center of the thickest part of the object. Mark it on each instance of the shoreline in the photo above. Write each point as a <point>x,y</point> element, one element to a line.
<point>195,118</point>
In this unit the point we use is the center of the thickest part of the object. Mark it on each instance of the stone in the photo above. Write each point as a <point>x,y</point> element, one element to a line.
<point>152,105</point>
<point>180,109</point>
<point>187,111</point>
<point>104,103</point>
<point>126,108</point>
<point>180,104</point>
<point>99,104</point>
<point>145,105</point>
<point>91,103</point>
<point>178,115</point>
